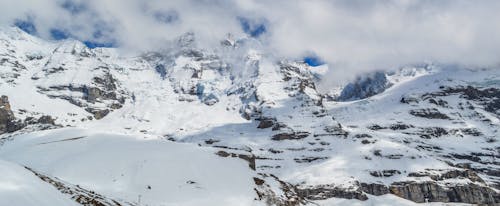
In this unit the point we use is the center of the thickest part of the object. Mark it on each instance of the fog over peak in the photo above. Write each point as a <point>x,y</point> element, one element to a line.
<point>351,36</point>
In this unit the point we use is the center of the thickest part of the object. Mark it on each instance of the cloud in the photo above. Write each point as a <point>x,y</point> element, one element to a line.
<point>352,36</point>
<point>361,36</point>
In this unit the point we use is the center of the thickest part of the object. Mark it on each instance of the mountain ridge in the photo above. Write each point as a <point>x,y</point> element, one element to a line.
<point>295,144</point>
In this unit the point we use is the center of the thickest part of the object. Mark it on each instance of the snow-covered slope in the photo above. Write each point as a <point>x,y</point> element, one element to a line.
<point>19,186</point>
<point>132,169</point>
<point>235,126</point>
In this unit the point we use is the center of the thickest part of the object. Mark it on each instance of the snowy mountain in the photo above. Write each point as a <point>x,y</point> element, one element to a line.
<point>233,125</point>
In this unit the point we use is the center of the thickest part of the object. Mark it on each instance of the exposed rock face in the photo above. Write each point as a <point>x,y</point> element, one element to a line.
<point>429,113</point>
<point>289,194</point>
<point>6,115</point>
<point>309,159</point>
<point>98,113</point>
<point>419,192</point>
<point>8,122</point>
<point>384,173</point>
<point>193,80</point>
<point>400,126</point>
<point>46,119</point>
<point>364,87</point>
<point>266,122</point>
<point>374,189</point>
<point>102,90</point>
<point>489,97</point>
<point>250,158</point>
<point>429,132</point>
<point>432,192</point>
<point>467,174</point>
<point>322,192</point>
<point>290,136</point>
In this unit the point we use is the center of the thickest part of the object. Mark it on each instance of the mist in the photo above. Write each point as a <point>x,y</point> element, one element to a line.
<point>351,36</point>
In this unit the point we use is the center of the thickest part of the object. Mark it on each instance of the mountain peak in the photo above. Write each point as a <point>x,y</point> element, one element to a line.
<point>189,121</point>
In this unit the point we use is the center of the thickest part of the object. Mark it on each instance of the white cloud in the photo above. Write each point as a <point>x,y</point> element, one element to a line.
<point>351,35</point>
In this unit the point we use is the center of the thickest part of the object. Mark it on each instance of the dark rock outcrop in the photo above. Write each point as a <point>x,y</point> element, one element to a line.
<point>374,189</point>
<point>308,159</point>
<point>290,136</point>
<point>384,173</point>
<point>488,97</point>
<point>103,89</point>
<point>46,119</point>
<point>250,158</point>
<point>421,192</point>
<point>364,87</point>
<point>429,113</point>
<point>400,126</point>
<point>430,132</point>
<point>266,122</point>
<point>322,192</point>
<point>376,127</point>
<point>432,192</point>
<point>8,122</point>
<point>288,196</point>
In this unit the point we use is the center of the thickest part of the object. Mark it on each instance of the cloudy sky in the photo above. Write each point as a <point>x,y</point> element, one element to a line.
<point>352,35</point>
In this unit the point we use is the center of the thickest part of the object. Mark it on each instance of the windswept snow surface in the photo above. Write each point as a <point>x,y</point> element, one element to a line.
<point>19,186</point>
<point>130,167</point>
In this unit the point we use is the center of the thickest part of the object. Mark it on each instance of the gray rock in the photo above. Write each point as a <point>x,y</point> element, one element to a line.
<point>430,132</point>
<point>374,189</point>
<point>8,122</point>
<point>385,173</point>
<point>429,113</point>
<point>46,119</point>
<point>290,136</point>
<point>364,87</point>
<point>421,192</point>
<point>322,192</point>
<point>266,122</point>
<point>432,192</point>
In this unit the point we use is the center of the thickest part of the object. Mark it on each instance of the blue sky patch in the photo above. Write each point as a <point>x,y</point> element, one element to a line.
<point>252,27</point>
<point>58,34</point>
<point>98,35</point>
<point>26,25</point>
<point>93,44</point>
<point>313,61</point>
